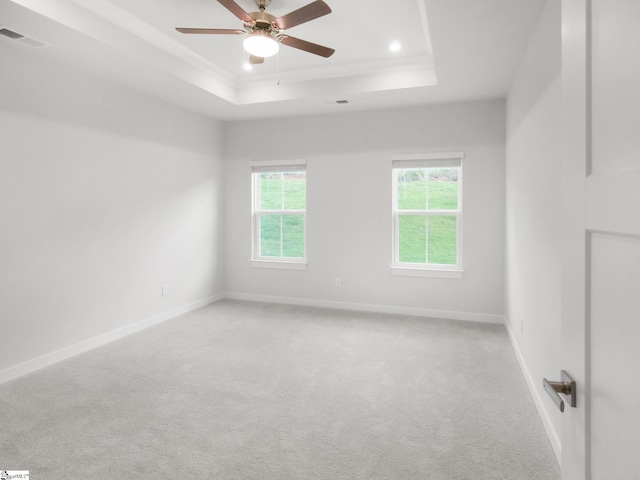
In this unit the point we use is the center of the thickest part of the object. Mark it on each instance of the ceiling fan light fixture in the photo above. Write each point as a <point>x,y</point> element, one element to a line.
<point>261,44</point>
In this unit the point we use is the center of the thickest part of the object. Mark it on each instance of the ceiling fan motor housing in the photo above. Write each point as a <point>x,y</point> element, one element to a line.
<point>263,21</point>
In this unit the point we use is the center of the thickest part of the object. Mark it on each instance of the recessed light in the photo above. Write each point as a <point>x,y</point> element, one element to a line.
<point>248,67</point>
<point>395,46</point>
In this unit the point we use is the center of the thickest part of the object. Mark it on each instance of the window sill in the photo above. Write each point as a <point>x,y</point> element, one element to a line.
<point>427,272</point>
<point>281,264</point>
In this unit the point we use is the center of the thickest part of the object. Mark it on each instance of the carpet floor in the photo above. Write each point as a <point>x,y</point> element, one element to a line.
<point>240,390</point>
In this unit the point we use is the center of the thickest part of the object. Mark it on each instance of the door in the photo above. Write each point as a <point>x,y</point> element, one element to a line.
<point>601,238</point>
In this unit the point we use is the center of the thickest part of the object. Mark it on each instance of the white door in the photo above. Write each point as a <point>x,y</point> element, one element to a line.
<point>601,238</point>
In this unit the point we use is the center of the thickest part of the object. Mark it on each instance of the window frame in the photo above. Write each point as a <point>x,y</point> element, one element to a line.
<point>426,160</point>
<point>274,166</point>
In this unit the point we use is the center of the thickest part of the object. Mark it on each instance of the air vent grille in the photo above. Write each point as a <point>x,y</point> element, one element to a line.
<point>10,33</point>
<point>19,37</point>
<point>336,102</point>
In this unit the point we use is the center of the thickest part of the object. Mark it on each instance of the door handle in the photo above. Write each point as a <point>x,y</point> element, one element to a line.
<point>567,387</point>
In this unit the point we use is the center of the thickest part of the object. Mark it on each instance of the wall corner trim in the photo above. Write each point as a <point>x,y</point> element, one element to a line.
<point>554,438</point>
<point>48,359</point>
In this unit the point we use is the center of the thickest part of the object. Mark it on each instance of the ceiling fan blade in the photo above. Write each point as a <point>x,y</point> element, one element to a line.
<point>212,31</point>
<point>310,12</point>
<point>306,46</point>
<point>237,10</point>
<point>253,60</point>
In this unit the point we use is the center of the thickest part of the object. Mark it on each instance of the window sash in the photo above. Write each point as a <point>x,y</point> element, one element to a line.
<point>395,208</point>
<point>257,247</point>
<point>426,264</point>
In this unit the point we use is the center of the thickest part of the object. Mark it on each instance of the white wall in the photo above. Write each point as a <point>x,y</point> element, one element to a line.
<point>105,195</point>
<point>349,207</point>
<point>532,279</point>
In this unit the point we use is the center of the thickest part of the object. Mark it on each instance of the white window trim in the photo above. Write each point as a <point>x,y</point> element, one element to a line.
<point>286,263</point>
<point>257,164</point>
<point>426,160</point>
<point>430,271</point>
<point>281,264</point>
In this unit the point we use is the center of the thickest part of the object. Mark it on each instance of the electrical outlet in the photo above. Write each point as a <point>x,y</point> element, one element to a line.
<point>165,290</point>
<point>338,282</point>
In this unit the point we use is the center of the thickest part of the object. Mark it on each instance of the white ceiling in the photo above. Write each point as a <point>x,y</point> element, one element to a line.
<point>452,50</point>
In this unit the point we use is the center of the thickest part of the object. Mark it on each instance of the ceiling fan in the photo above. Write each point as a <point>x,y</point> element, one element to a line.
<point>264,32</point>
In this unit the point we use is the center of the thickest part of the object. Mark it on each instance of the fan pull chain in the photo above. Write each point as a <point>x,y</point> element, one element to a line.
<point>278,69</point>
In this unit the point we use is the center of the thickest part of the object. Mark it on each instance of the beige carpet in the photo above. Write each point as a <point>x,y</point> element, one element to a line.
<point>240,390</point>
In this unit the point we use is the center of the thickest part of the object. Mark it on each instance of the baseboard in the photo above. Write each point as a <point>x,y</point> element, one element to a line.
<point>366,307</point>
<point>535,393</point>
<point>73,350</point>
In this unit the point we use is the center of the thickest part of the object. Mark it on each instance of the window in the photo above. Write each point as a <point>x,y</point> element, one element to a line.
<point>279,211</point>
<point>427,214</point>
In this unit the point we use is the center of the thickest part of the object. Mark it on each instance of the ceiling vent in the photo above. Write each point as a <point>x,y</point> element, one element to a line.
<point>18,37</point>
<point>337,102</point>
<point>10,33</point>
